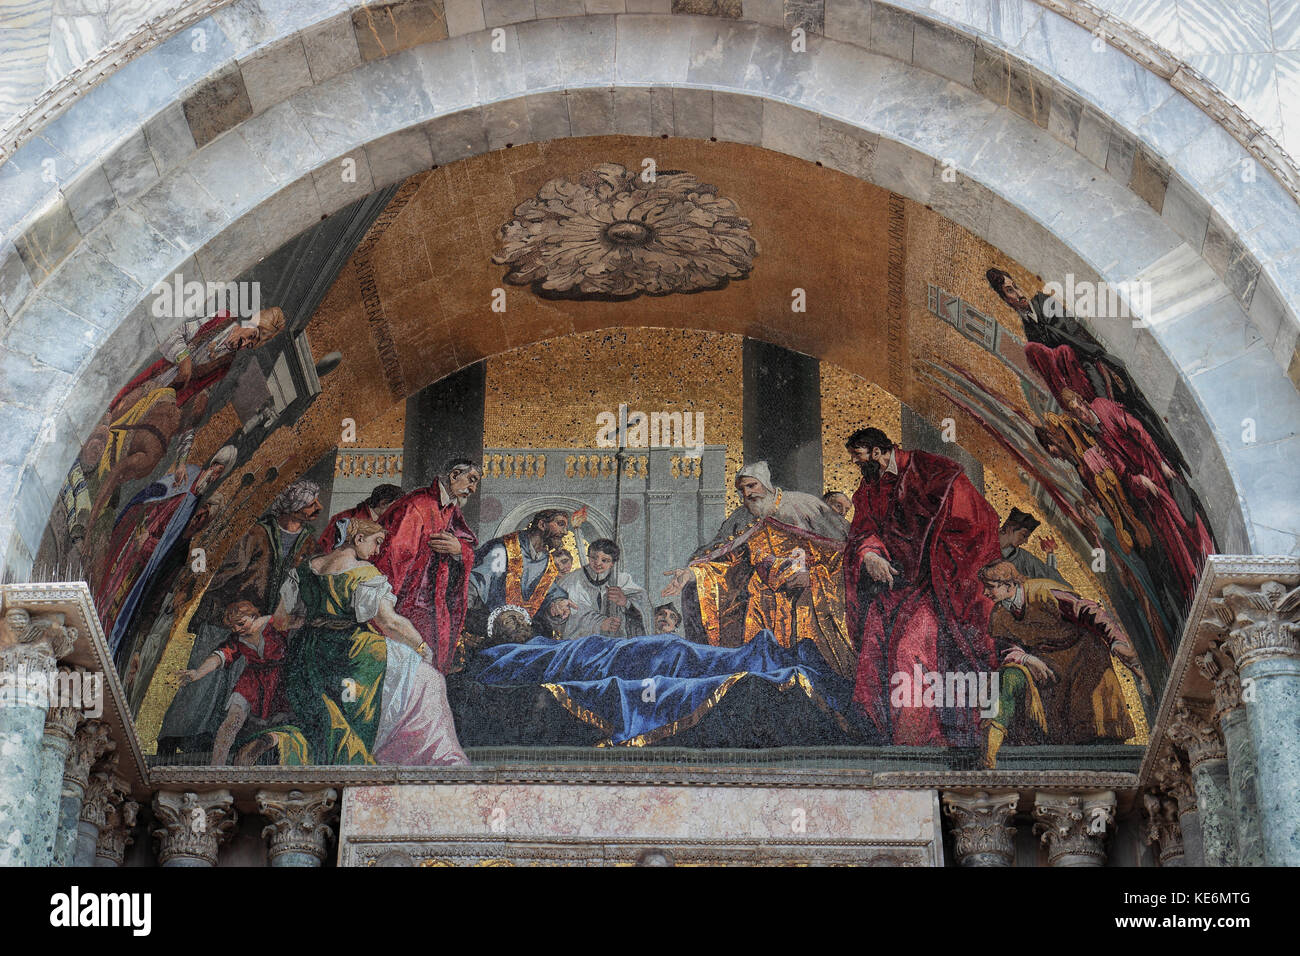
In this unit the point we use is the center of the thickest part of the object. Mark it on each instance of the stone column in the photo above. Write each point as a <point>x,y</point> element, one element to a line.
<point>1173,779</point>
<point>1208,759</point>
<point>115,835</point>
<point>1264,640</point>
<point>105,792</point>
<point>298,834</point>
<point>1163,827</point>
<point>194,825</point>
<point>61,725</point>
<point>29,649</point>
<point>1073,826</point>
<point>1231,716</point>
<point>90,744</point>
<point>982,834</point>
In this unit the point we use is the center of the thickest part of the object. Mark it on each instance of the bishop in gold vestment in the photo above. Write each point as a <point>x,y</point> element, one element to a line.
<point>775,564</point>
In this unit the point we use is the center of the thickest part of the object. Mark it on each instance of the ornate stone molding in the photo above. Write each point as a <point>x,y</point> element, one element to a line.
<point>30,647</point>
<point>1073,826</point>
<point>1261,623</point>
<point>1195,734</point>
<point>298,821</point>
<point>981,830</point>
<point>115,834</point>
<point>90,744</point>
<point>1170,775</point>
<point>1164,826</point>
<point>105,792</point>
<point>194,825</point>
<point>1220,670</point>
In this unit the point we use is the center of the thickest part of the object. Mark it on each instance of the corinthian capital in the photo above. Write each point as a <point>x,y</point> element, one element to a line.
<point>1073,826</point>
<point>297,821</point>
<point>30,646</point>
<point>115,835</point>
<point>1192,731</point>
<point>1261,623</point>
<point>104,793</point>
<point>1164,826</point>
<point>194,825</point>
<point>982,834</point>
<point>1221,672</point>
<point>89,745</point>
<point>1173,778</point>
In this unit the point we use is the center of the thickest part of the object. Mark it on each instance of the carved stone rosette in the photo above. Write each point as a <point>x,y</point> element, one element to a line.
<point>194,825</point>
<point>1073,826</point>
<point>298,828</point>
<point>1164,828</point>
<point>115,835</point>
<point>981,830</point>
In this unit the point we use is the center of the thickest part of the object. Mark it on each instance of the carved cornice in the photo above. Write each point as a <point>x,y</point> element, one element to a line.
<point>193,825</point>
<point>1208,621</point>
<point>298,821</point>
<point>1197,735</point>
<point>981,830</point>
<point>1073,826</point>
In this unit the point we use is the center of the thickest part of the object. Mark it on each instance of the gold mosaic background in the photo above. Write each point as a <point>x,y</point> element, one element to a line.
<point>429,264</point>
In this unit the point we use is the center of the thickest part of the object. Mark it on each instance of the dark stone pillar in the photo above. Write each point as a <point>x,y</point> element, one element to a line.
<point>783,414</point>
<point>445,420</point>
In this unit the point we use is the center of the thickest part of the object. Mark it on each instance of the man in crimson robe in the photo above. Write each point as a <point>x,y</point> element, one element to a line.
<point>375,506</point>
<point>920,534</point>
<point>427,556</point>
<point>1150,483</point>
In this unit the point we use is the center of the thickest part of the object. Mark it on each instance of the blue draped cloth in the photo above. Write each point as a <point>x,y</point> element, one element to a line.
<point>640,690</point>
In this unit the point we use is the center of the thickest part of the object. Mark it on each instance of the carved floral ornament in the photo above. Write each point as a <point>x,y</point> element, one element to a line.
<point>1258,623</point>
<point>616,234</point>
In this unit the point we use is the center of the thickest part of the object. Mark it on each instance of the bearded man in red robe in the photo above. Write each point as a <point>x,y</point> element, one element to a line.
<point>427,556</point>
<point>920,534</point>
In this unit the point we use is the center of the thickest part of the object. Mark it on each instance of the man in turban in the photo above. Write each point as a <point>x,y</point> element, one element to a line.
<point>252,570</point>
<point>775,564</point>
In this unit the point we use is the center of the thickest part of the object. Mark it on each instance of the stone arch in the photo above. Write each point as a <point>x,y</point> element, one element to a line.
<point>72,331</point>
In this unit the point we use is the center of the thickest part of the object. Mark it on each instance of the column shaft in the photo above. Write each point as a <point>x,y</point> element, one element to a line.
<point>1241,783</point>
<point>23,703</point>
<point>1273,715</point>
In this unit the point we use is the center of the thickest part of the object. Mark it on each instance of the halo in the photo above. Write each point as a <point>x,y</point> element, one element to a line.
<point>506,607</point>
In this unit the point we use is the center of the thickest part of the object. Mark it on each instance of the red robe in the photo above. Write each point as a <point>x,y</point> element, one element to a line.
<point>931,523</point>
<point>432,589</point>
<point>198,382</point>
<point>1133,454</point>
<point>261,683</point>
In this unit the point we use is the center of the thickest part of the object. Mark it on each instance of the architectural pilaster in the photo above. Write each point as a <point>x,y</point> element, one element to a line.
<point>1073,826</point>
<point>298,834</point>
<point>1208,759</point>
<point>1221,672</point>
<point>194,825</point>
<point>104,794</point>
<point>1263,638</point>
<point>30,647</point>
<point>89,745</point>
<point>981,827</point>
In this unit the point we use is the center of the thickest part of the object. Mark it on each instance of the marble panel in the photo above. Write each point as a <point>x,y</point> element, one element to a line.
<point>273,74</point>
<point>90,199</point>
<point>383,29</point>
<point>131,168</point>
<point>331,48</point>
